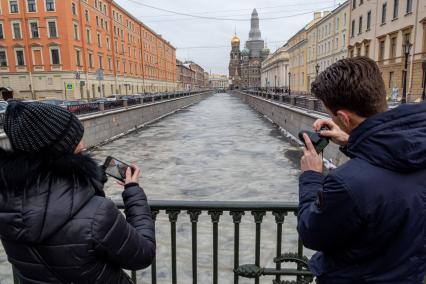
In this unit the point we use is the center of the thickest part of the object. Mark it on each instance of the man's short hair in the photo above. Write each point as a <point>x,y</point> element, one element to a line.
<point>354,84</point>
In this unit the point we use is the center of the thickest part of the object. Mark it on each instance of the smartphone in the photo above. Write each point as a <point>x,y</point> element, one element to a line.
<point>319,142</point>
<point>116,168</point>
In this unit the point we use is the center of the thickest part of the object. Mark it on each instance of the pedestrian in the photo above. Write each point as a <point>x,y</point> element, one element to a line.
<point>56,225</point>
<point>366,218</point>
<point>394,94</point>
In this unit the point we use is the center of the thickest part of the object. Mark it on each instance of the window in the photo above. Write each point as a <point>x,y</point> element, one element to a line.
<point>393,47</point>
<point>337,23</point>
<point>108,43</point>
<point>50,5</point>
<point>1,31</point>
<point>101,62</point>
<point>368,20</point>
<point>361,2</point>
<point>16,30</point>
<point>20,61</point>
<point>78,57</point>
<point>74,9</point>
<point>384,8</point>
<point>31,5</point>
<point>367,50</point>
<point>52,29</point>
<point>76,33</point>
<point>88,36</point>
<point>395,8</point>
<point>360,25</point>
<point>337,43</point>
<point>409,7</point>
<point>3,58</point>
<point>86,14</point>
<point>90,60</point>
<point>14,7</point>
<point>99,40</point>
<point>343,40</point>
<point>353,4</point>
<point>358,51</point>
<point>54,56</point>
<point>353,28</point>
<point>381,49</point>
<point>109,63</point>
<point>391,79</point>
<point>34,30</point>
<point>97,21</point>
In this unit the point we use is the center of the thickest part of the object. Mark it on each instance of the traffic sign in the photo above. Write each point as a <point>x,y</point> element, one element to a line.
<point>100,74</point>
<point>69,87</point>
<point>77,75</point>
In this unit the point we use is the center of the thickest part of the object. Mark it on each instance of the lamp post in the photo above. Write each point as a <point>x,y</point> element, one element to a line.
<point>406,47</point>
<point>289,83</point>
<point>317,67</point>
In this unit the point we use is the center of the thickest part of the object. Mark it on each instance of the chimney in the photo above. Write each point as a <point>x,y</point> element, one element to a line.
<point>317,15</point>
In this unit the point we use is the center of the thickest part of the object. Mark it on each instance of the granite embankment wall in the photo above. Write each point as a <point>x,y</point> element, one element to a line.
<point>292,119</point>
<point>103,126</point>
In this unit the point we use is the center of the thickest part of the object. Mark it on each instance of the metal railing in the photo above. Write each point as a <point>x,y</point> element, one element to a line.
<point>84,108</point>
<point>237,210</point>
<point>303,101</point>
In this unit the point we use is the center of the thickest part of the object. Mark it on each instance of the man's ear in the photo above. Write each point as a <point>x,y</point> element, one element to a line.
<point>345,118</point>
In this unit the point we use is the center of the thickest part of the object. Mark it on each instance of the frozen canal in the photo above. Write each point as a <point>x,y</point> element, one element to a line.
<point>219,149</point>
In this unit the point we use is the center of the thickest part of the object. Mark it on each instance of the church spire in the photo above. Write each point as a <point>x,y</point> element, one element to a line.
<point>255,30</point>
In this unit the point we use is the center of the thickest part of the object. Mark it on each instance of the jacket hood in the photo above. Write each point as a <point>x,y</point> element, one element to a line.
<point>395,139</point>
<point>39,194</point>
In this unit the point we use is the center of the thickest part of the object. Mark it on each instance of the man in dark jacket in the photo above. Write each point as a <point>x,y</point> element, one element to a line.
<point>55,223</point>
<point>367,218</point>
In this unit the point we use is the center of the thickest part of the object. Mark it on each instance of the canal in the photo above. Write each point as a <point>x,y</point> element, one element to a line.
<point>222,150</point>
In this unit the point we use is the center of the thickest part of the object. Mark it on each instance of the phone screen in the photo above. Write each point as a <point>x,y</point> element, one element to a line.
<point>116,168</point>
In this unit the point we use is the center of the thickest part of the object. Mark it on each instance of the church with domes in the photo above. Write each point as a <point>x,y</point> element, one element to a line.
<point>245,65</point>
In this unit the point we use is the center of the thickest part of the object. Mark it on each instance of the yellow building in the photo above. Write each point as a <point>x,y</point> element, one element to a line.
<point>380,29</point>
<point>298,57</point>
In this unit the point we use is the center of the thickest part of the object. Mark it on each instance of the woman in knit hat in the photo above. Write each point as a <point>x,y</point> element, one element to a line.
<point>55,223</point>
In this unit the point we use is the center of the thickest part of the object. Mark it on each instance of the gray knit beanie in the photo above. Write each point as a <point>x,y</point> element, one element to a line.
<point>38,127</point>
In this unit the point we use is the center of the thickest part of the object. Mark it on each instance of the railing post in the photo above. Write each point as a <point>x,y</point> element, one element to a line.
<point>258,218</point>
<point>236,218</point>
<point>125,103</point>
<point>173,216</point>
<point>102,106</point>
<point>279,219</point>
<point>194,214</point>
<point>215,215</point>
<point>154,214</point>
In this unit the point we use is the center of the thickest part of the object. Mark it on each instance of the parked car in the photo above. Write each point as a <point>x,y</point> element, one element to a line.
<point>53,102</point>
<point>3,106</point>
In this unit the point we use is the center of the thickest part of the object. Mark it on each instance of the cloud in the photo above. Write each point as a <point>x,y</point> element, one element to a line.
<point>215,36</point>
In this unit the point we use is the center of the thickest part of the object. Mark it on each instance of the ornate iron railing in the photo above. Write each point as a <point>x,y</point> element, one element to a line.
<point>237,210</point>
<point>84,108</point>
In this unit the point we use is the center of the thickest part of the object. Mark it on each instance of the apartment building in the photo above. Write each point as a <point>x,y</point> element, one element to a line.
<point>80,49</point>
<point>380,29</point>
<point>275,68</point>
<point>328,40</point>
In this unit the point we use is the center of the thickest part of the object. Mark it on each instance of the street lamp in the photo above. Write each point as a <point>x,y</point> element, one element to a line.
<point>317,67</point>
<point>406,47</point>
<point>289,83</point>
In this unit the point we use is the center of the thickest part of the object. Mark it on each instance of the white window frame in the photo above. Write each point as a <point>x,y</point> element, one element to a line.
<point>51,57</point>
<point>16,57</point>
<point>7,59</point>
<point>48,29</point>
<point>76,36</point>
<point>38,28</point>
<point>45,6</point>
<point>13,30</point>
<point>27,7</point>
<point>10,11</point>
<point>89,39</point>
<point>33,55</point>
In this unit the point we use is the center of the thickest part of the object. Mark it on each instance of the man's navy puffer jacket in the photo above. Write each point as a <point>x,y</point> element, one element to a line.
<point>57,207</point>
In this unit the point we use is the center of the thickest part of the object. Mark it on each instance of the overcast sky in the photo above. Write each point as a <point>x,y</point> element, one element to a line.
<point>211,38</point>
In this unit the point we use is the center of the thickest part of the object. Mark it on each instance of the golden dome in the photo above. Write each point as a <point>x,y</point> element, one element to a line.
<point>235,39</point>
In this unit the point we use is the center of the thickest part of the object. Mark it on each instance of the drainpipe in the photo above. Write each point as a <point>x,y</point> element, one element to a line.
<point>414,50</point>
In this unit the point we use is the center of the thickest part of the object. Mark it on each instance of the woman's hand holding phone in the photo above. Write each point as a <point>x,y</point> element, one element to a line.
<point>132,175</point>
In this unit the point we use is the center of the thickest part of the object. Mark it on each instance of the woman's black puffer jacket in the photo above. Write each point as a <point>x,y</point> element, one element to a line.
<point>56,207</point>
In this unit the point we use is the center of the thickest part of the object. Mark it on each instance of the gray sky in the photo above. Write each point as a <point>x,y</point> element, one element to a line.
<point>214,36</point>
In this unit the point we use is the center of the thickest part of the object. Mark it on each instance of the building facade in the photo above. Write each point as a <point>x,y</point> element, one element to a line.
<point>185,76</point>
<point>80,49</point>
<point>328,40</point>
<point>218,82</point>
<point>275,69</point>
<point>245,66</point>
<point>297,49</point>
<point>380,29</point>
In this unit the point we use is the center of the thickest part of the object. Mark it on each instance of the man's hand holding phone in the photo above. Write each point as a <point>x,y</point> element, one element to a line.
<point>333,132</point>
